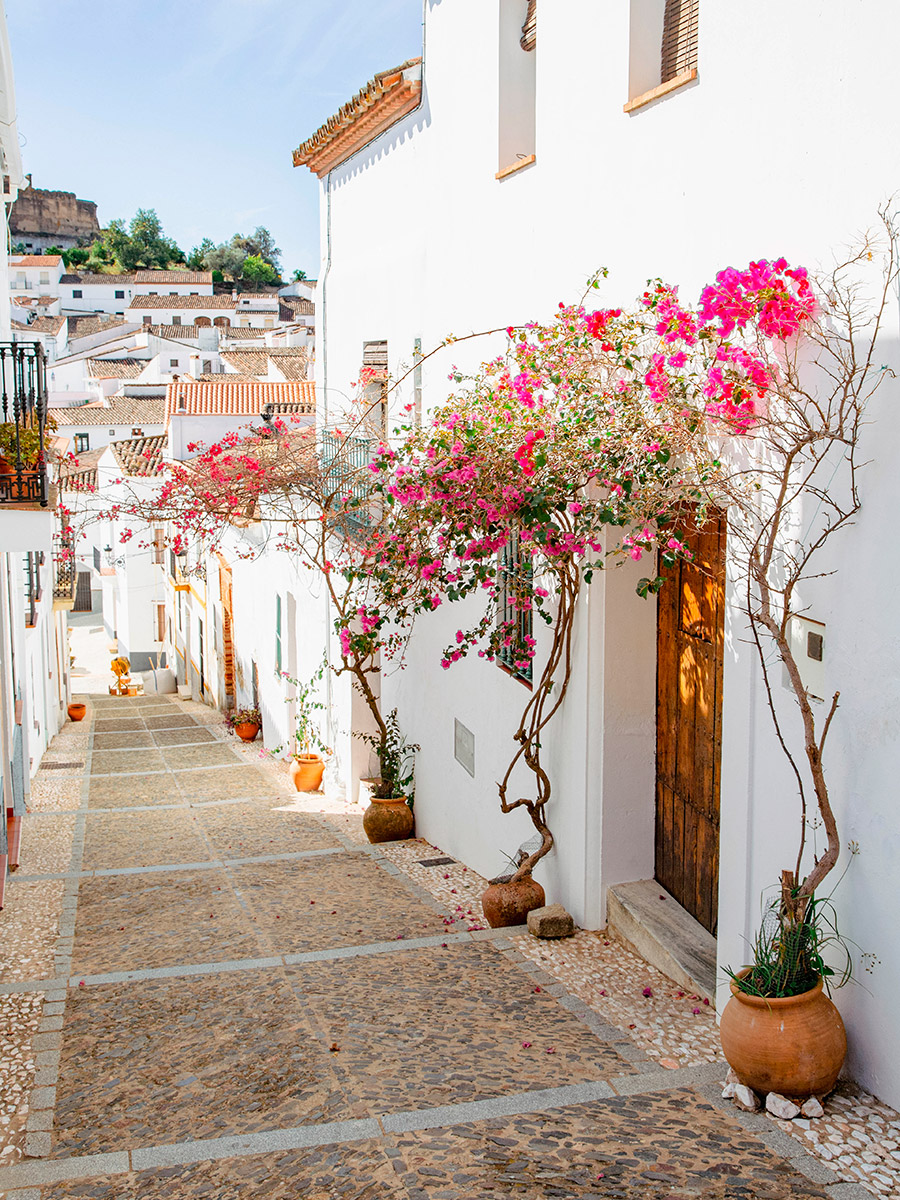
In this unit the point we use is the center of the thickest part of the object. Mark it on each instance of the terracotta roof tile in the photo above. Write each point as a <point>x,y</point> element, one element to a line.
<point>117,368</point>
<point>291,362</point>
<point>183,277</point>
<point>297,306</point>
<point>140,456</point>
<point>46,324</point>
<point>118,412</point>
<point>226,302</point>
<point>35,260</point>
<point>174,333</point>
<point>238,398</point>
<point>384,100</point>
<point>102,280</point>
<point>80,474</point>
<point>80,327</point>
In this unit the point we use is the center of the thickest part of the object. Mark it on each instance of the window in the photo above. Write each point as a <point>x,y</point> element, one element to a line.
<point>120,295</point>
<point>112,433</point>
<point>207,366</point>
<point>45,276</point>
<point>514,610</point>
<point>147,319</point>
<point>417,382</point>
<point>160,622</point>
<point>76,293</point>
<point>517,77</point>
<point>137,432</point>
<point>662,48</point>
<point>173,362</point>
<point>82,442</point>
<point>278,635</point>
<point>176,320</point>
<point>173,293</point>
<point>159,547</point>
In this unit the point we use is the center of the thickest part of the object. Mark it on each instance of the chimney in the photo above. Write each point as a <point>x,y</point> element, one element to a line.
<point>194,366</point>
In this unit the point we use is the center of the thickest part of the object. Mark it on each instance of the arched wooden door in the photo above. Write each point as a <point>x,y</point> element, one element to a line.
<point>690,650</point>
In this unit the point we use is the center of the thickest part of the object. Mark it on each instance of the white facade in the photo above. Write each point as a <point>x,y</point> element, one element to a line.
<point>772,150</point>
<point>35,275</point>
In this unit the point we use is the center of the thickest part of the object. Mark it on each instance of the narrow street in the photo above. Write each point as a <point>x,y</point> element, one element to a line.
<point>246,1001</point>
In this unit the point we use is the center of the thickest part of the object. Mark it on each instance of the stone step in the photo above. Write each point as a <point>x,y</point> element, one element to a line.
<point>664,934</point>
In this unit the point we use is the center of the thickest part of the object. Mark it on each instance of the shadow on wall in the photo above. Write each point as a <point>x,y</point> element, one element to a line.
<point>403,130</point>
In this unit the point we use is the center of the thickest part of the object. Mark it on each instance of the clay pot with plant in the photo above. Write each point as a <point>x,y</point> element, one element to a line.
<point>307,761</point>
<point>245,722</point>
<point>389,817</point>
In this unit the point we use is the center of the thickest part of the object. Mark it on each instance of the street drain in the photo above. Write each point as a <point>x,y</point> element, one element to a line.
<point>436,862</point>
<point>57,766</point>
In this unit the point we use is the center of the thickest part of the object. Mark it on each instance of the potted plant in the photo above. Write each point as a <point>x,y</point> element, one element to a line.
<point>245,722</point>
<point>389,817</point>
<point>307,763</point>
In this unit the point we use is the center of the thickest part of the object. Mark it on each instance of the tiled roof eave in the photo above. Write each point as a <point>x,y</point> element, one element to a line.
<point>378,106</point>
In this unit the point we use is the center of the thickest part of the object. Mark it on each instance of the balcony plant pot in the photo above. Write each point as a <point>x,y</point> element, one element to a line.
<point>76,711</point>
<point>388,820</point>
<point>307,771</point>
<point>508,903</point>
<point>247,731</point>
<point>792,1045</point>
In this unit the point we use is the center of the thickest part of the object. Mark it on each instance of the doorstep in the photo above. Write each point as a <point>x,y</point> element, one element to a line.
<point>664,934</point>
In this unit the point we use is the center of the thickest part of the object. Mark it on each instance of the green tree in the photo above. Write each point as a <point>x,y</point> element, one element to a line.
<point>298,276</point>
<point>142,244</point>
<point>196,260</point>
<point>256,272</point>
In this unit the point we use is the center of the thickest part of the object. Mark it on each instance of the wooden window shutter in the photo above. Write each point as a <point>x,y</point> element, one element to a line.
<point>160,622</point>
<point>528,40</point>
<point>159,548</point>
<point>679,40</point>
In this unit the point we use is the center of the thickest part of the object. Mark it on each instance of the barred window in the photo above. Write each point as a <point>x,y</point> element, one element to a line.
<point>679,39</point>
<point>514,610</point>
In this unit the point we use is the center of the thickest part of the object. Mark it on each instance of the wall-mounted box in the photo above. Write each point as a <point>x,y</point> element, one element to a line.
<point>807,640</point>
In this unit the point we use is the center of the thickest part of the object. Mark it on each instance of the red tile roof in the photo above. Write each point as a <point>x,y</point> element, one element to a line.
<point>173,302</point>
<point>238,399</point>
<point>185,277</point>
<point>118,412</point>
<point>35,260</point>
<point>117,368</point>
<point>140,456</point>
<point>384,100</point>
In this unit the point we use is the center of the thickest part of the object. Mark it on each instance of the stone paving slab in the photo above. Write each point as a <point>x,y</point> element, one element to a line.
<point>244,830</point>
<point>111,792</point>
<point>319,903</point>
<point>134,921</point>
<point>127,762</point>
<point>641,1148</point>
<point>189,1058</point>
<point>225,783</point>
<point>118,725</point>
<point>139,839</point>
<point>182,737</point>
<point>356,1172</point>
<point>138,739</point>
<point>399,1050</point>
<point>175,721</point>
<point>177,758</point>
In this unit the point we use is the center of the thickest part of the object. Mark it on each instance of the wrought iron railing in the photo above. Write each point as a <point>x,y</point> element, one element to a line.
<point>65,573</point>
<point>23,417</point>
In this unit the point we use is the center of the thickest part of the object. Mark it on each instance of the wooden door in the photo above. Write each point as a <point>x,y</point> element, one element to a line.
<point>690,641</point>
<point>225,585</point>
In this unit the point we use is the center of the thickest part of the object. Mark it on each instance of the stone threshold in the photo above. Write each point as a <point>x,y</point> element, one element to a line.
<point>652,923</point>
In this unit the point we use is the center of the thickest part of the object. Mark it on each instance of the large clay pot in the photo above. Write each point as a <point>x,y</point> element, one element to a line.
<point>76,711</point>
<point>247,731</point>
<point>388,820</point>
<point>307,771</point>
<point>793,1045</point>
<point>510,903</point>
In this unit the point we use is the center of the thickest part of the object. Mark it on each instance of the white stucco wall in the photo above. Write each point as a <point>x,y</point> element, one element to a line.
<point>776,149</point>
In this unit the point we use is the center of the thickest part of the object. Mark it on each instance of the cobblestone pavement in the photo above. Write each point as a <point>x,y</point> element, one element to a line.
<point>214,991</point>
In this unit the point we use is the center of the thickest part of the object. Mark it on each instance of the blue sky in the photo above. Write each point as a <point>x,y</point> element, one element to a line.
<point>193,107</point>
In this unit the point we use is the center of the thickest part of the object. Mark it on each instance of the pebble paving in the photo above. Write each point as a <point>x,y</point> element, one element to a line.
<point>213,989</point>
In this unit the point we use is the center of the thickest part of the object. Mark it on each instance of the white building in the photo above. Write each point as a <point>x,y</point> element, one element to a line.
<point>500,173</point>
<point>84,292</point>
<point>34,588</point>
<point>35,275</point>
<point>182,310</point>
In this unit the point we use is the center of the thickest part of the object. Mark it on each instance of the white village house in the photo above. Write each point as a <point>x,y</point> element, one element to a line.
<point>501,171</point>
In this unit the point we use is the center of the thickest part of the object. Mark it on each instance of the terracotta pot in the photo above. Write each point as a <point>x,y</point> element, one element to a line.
<point>389,820</point>
<point>307,771</point>
<point>510,903</point>
<point>247,731</point>
<point>76,711</point>
<point>793,1045</point>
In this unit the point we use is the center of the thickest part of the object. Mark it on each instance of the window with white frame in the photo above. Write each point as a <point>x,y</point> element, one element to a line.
<point>663,42</point>
<point>517,79</point>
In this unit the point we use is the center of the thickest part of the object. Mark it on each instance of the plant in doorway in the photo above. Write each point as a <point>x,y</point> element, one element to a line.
<point>389,817</point>
<point>307,762</point>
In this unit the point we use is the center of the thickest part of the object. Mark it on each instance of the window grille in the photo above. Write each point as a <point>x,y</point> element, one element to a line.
<point>514,577</point>
<point>679,39</point>
<point>346,459</point>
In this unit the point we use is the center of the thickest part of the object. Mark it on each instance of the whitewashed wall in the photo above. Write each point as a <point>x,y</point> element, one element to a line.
<point>778,148</point>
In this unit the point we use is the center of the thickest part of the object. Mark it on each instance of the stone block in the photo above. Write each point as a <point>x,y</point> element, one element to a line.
<point>812,1108</point>
<point>746,1098</point>
<point>781,1107</point>
<point>552,921</point>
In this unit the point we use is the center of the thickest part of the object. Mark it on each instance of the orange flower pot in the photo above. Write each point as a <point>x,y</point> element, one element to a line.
<point>247,731</point>
<point>307,771</point>
<point>76,711</point>
<point>793,1045</point>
